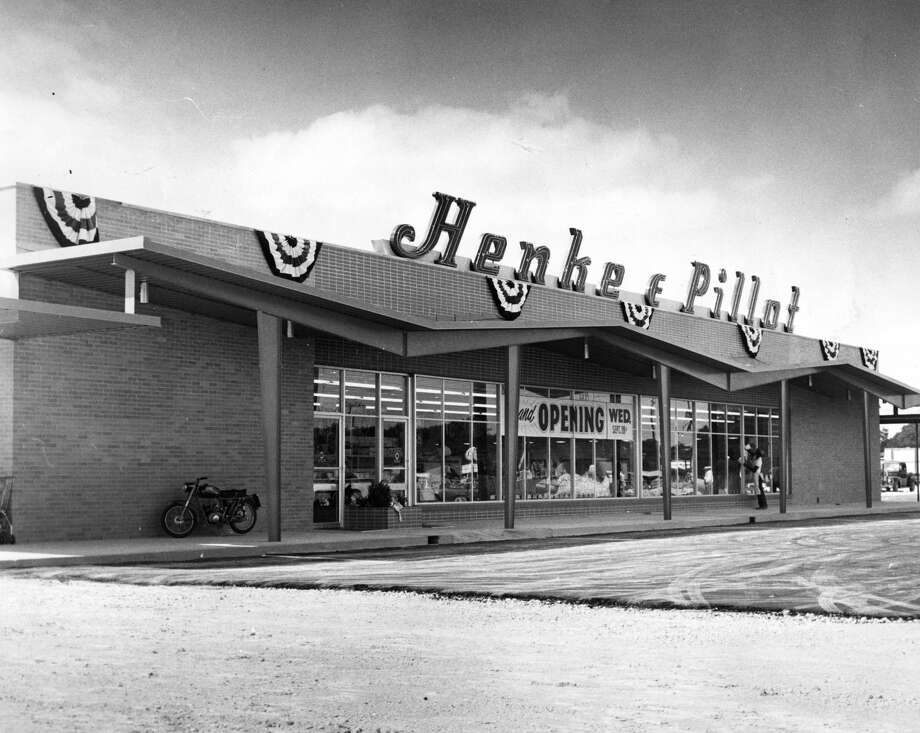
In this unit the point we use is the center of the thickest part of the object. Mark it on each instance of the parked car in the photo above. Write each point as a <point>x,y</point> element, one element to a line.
<point>895,476</point>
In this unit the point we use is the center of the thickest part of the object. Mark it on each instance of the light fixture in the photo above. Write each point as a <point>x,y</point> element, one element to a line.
<point>809,380</point>
<point>587,349</point>
<point>144,295</point>
<point>290,330</point>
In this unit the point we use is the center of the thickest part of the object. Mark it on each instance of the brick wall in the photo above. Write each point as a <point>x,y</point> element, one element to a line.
<point>109,425</point>
<point>828,463</point>
<point>6,407</point>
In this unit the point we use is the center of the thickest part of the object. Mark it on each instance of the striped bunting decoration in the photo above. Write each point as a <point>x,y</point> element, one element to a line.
<point>753,337</point>
<point>71,217</point>
<point>830,349</point>
<point>509,296</point>
<point>287,256</point>
<point>869,358</point>
<point>637,314</point>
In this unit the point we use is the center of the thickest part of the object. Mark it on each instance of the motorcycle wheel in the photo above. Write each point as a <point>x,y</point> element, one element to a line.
<point>178,520</point>
<point>245,518</point>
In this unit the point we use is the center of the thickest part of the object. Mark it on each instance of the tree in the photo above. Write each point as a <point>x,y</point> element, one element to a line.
<point>906,437</point>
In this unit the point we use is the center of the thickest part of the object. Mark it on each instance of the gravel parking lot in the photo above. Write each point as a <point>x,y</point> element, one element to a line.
<point>86,656</point>
<point>186,648</point>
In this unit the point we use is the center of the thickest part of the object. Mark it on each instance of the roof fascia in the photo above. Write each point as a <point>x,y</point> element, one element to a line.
<point>710,375</point>
<point>423,343</point>
<point>747,380</point>
<point>312,316</point>
<point>873,383</point>
<point>56,255</point>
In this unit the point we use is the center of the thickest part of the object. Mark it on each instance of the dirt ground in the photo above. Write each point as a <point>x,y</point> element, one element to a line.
<point>82,656</point>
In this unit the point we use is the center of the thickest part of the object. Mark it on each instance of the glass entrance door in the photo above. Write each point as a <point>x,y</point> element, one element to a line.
<point>394,458</point>
<point>327,469</point>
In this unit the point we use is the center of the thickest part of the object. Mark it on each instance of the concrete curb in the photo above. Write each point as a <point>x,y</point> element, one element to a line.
<point>163,549</point>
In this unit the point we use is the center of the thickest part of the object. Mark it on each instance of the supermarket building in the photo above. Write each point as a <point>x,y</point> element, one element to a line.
<point>139,349</point>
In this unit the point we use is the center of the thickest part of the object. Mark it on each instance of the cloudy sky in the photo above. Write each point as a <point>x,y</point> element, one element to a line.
<point>778,139</point>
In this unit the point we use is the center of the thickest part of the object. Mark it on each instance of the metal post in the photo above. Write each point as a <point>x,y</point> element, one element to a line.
<point>129,291</point>
<point>270,378</point>
<point>867,451</point>
<point>917,459</point>
<point>512,400</point>
<point>664,423</point>
<point>785,440</point>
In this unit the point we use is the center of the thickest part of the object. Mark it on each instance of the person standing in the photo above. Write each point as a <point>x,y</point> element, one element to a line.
<point>753,462</point>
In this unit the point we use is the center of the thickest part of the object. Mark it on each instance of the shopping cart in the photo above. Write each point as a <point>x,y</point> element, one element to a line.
<point>6,511</point>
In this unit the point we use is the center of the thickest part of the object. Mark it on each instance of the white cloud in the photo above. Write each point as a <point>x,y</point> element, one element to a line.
<point>904,197</point>
<point>535,169</point>
<point>534,172</point>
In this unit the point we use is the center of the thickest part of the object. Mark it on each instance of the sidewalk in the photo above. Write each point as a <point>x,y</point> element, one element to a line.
<point>204,545</point>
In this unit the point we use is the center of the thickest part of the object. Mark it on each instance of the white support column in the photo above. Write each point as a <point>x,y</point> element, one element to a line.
<point>129,291</point>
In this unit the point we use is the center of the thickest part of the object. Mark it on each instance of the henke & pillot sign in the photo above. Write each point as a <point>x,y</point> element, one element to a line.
<point>532,268</point>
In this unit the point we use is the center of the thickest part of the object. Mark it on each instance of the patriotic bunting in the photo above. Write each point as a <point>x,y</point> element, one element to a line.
<point>287,256</point>
<point>869,358</point>
<point>753,336</point>
<point>830,349</point>
<point>637,314</point>
<point>71,217</point>
<point>509,296</point>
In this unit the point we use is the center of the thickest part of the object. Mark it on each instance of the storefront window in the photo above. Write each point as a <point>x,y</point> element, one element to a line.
<point>326,469</point>
<point>561,483</point>
<point>577,445</point>
<point>750,424</point>
<point>572,445</point>
<point>585,476</point>
<point>394,457</point>
<point>373,448</point>
<point>360,393</point>
<point>735,447</point>
<point>704,475</point>
<point>392,395</point>
<point>651,469</point>
<point>609,482</point>
<point>428,398</point>
<point>683,477</point>
<point>483,463</point>
<point>429,460</point>
<point>717,424</point>
<point>538,473</point>
<point>733,420</point>
<point>326,390</point>
<point>456,440</point>
<point>485,402</point>
<point>458,477</point>
<point>360,457</point>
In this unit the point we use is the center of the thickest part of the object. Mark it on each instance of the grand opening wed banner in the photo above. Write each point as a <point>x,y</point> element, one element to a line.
<point>543,416</point>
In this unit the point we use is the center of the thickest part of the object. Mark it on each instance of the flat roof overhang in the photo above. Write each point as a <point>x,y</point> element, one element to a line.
<point>21,319</point>
<point>191,282</point>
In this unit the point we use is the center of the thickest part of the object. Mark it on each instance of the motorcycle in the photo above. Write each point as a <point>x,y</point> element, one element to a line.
<point>213,505</point>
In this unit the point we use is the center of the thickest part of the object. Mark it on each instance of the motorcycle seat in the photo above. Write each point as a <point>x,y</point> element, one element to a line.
<point>232,493</point>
